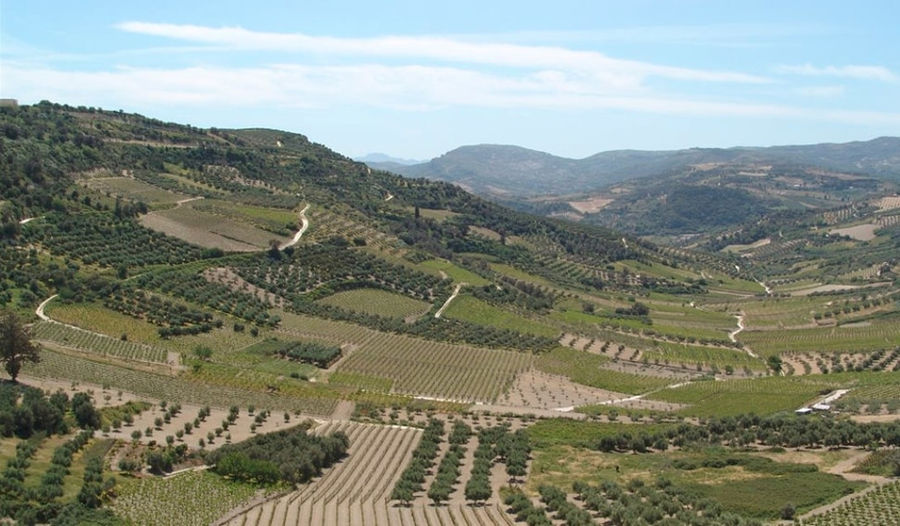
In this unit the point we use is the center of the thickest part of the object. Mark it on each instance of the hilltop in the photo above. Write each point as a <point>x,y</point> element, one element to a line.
<point>513,171</point>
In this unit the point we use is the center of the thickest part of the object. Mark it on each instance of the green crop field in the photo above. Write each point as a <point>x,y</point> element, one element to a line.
<point>379,302</point>
<point>880,333</point>
<point>90,342</point>
<point>456,273</point>
<point>433,369</point>
<point>134,189</point>
<point>468,308</point>
<point>878,507</point>
<point>760,395</point>
<point>193,498</point>
<point>587,369</point>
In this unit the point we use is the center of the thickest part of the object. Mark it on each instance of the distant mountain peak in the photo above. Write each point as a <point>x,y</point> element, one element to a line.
<point>378,157</point>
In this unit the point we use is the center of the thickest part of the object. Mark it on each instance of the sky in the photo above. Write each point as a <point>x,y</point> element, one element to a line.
<point>415,79</point>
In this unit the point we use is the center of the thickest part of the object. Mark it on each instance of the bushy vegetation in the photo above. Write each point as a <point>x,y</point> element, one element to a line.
<point>25,411</point>
<point>173,319</point>
<point>317,354</point>
<point>292,456</point>
<point>103,239</point>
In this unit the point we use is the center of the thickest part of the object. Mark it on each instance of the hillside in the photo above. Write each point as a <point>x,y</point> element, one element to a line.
<point>313,341</point>
<point>511,171</point>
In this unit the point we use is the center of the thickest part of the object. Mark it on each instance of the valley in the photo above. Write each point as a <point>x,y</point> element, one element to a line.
<point>221,298</point>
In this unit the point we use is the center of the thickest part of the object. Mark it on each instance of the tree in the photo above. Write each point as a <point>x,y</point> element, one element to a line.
<point>203,352</point>
<point>775,363</point>
<point>15,344</point>
<point>477,490</point>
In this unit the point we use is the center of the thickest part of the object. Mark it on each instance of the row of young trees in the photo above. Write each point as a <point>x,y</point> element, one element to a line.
<point>778,430</point>
<point>40,504</point>
<point>173,319</point>
<point>423,457</point>
<point>109,241</point>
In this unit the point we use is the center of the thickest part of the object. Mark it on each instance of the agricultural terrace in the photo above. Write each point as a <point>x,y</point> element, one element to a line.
<point>194,498</point>
<point>473,310</point>
<point>211,386</point>
<point>210,230</point>
<point>433,369</point>
<point>379,302</point>
<point>353,489</point>
<point>874,508</point>
<point>133,189</point>
<point>879,333</point>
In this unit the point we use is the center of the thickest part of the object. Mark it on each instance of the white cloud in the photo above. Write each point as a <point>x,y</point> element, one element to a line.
<point>409,88</point>
<point>851,71</point>
<point>820,91</point>
<point>614,72</point>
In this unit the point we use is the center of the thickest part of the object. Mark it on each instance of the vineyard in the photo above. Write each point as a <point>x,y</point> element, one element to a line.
<point>878,507</point>
<point>356,488</point>
<point>195,498</point>
<point>434,369</point>
<point>590,369</point>
<point>379,302</point>
<point>473,310</point>
<point>91,342</point>
<point>882,333</point>
<point>165,387</point>
<point>732,397</point>
<point>671,363</point>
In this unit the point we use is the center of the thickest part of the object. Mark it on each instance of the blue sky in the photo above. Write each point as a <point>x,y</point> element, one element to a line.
<point>415,79</point>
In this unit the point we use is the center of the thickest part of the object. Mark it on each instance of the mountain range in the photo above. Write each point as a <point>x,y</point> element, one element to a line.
<point>510,172</point>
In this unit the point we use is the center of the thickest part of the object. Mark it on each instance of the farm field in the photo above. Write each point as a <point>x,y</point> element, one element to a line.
<point>194,498</point>
<point>134,189</point>
<point>438,370</point>
<point>881,333</point>
<point>56,365</point>
<point>90,342</point>
<point>456,273</point>
<point>209,230</point>
<point>874,508</point>
<point>733,397</point>
<point>468,308</point>
<point>378,302</point>
<point>357,487</point>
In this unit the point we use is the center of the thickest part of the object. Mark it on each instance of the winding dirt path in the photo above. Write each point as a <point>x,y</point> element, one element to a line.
<point>768,290</point>
<point>40,309</point>
<point>447,303</point>
<point>188,200</point>
<point>303,227</point>
<point>740,327</point>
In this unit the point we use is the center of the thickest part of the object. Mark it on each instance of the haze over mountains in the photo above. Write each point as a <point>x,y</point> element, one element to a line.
<point>506,171</point>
